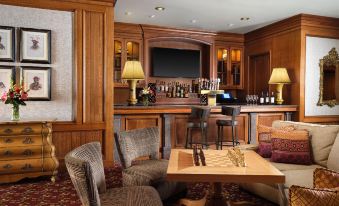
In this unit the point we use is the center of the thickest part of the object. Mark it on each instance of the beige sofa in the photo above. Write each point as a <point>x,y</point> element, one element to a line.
<point>325,151</point>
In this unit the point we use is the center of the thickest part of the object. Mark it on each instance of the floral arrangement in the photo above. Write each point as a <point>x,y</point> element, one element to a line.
<point>145,93</point>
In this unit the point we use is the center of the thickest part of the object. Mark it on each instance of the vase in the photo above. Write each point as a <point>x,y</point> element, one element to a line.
<point>15,113</point>
<point>145,100</point>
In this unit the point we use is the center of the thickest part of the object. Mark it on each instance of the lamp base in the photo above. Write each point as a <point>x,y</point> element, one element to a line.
<point>132,96</point>
<point>279,99</point>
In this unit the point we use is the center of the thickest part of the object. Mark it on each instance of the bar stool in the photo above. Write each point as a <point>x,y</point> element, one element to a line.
<point>197,120</point>
<point>221,123</point>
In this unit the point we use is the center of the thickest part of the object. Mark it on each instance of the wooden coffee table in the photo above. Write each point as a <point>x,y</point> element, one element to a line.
<point>219,169</point>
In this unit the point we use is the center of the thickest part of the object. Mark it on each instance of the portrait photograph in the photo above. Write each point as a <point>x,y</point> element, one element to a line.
<point>7,43</point>
<point>38,81</point>
<point>6,75</point>
<point>35,45</point>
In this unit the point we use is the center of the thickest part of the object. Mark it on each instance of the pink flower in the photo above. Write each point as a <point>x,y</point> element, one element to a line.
<point>4,97</point>
<point>11,95</point>
<point>24,96</point>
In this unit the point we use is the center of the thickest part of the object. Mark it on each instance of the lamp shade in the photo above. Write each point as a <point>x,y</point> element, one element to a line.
<point>133,70</point>
<point>279,76</point>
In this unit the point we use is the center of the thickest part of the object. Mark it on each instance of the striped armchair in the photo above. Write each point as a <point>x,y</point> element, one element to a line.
<point>137,143</point>
<point>85,167</point>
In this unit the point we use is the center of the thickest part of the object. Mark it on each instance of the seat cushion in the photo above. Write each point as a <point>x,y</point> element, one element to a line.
<point>333,157</point>
<point>131,196</point>
<point>303,178</point>
<point>146,172</point>
<point>285,166</point>
<point>226,122</point>
<point>322,138</point>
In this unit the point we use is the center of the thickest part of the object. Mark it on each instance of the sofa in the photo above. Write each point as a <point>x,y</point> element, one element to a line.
<point>325,153</point>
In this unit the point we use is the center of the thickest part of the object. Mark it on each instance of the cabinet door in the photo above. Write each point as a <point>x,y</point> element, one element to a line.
<point>222,65</point>
<point>141,121</point>
<point>236,67</point>
<point>133,50</point>
<point>118,59</point>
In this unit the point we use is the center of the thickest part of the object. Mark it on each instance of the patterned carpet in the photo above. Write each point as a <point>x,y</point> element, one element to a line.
<point>42,192</point>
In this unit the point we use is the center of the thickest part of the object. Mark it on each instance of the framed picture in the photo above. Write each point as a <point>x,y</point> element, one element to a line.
<point>35,45</point>
<point>38,81</point>
<point>7,44</point>
<point>7,74</point>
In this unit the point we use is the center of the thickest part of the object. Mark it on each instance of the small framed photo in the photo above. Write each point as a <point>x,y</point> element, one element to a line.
<point>38,81</point>
<point>7,44</point>
<point>35,45</point>
<point>7,74</point>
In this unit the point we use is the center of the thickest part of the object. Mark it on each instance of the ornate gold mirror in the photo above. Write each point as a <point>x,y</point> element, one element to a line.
<point>329,79</point>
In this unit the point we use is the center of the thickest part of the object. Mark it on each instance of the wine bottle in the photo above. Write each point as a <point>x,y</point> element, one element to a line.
<point>262,99</point>
<point>272,98</point>
<point>267,99</point>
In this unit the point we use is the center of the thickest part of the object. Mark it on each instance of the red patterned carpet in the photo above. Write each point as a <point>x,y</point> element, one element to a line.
<point>42,192</point>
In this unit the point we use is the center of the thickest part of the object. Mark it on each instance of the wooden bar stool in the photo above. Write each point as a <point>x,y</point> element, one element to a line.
<point>197,120</point>
<point>221,123</point>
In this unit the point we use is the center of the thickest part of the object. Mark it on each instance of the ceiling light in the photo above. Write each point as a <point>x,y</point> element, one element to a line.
<point>245,18</point>
<point>230,25</point>
<point>159,8</point>
<point>151,16</point>
<point>193,21</point>
<point>128,13</point>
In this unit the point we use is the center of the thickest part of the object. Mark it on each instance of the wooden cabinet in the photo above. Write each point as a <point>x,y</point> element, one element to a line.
<point>26,150</point>
<point>267,119</point>
<point>230,66</point>
<point>125,49</point>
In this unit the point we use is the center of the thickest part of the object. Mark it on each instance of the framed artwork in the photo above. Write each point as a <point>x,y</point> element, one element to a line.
<point>38,81</point>
<point>7,44</point>
<point>35,45</point>
<point>7,74</point>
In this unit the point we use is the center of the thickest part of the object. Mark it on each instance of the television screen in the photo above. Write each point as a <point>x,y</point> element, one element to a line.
<point>175,63</point>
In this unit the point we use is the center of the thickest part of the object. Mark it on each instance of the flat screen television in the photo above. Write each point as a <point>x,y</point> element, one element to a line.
<point>168,62</point>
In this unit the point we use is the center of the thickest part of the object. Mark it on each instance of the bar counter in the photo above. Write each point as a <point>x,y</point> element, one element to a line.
<point>171,121</point>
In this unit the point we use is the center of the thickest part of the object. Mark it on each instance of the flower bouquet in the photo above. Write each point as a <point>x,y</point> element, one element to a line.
<point>16,95</point>
<point>145,93</point>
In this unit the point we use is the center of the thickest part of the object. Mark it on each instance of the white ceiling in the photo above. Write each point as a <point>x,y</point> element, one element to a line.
<point>216,15</point>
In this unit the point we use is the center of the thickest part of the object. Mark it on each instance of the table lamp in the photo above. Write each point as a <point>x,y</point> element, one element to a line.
<point>132,73</point>
<point>279,77</point>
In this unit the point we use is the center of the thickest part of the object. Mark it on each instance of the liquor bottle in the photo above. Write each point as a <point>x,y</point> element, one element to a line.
<point>169,91</point>
<point>267,99</point>
<point>178,90</point>
<point>181,91</point>
<point>173,90</point>
<point>262,99</point>
<point>272,98</point>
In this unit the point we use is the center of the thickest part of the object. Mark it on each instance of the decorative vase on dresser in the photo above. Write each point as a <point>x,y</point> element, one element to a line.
<point>26,150</point>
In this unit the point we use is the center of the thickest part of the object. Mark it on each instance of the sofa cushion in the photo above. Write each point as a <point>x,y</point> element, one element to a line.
<point>266,191</point>
<point>324,178</point>
<point>302,178</point>
<point>300,196</point>
<point>332,162</point>
<point>291,147</point>
<point>322,138</point>
<point>285,166</point>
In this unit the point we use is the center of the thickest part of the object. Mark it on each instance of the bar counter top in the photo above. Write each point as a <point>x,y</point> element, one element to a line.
<point>180,109</point>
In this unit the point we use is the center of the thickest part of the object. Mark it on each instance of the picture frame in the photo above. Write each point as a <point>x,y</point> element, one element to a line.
<point>7,74</point>
<point>35,45</point>
<point>38,81</point>
<point>7,44</point>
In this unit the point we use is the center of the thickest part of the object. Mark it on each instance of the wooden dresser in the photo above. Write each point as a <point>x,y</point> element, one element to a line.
<point>26,150</point>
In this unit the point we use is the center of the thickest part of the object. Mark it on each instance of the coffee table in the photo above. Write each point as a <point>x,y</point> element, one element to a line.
<point>219,169</point>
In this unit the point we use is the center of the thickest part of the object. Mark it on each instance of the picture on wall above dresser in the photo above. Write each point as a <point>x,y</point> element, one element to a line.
<point>7,43</point>
<point>38,82</point>
<point>35,45</point>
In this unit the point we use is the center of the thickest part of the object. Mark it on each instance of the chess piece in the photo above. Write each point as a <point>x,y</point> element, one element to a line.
<point>202,157</point>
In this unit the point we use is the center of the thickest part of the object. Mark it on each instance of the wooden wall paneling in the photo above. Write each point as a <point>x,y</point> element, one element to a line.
<point>259,73</point>
<point>142,121</point>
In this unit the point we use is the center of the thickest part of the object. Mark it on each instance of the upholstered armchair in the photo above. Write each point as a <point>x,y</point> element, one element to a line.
<point>85,167</point>
<point>145,142</point>
<point>325,190</point>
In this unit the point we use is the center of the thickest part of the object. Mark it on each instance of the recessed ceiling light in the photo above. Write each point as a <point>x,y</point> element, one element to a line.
<point>159,8</point>
<point>230,25</point>
<point>151,16</point>
<point>245,18</point>
<point>193,21</point>
<point>128,13</point>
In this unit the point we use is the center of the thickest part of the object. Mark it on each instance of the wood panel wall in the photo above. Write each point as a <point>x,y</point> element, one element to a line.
<point>93,63</point>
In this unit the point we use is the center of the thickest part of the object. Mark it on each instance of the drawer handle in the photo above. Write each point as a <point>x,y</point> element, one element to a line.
<point>27,167</point>
<point>8,153</point>
<point>8,140</point>
<point>27,140</point>
<point>8,131</point>
<point>7,166</point>
<point>27,130</point>
<point>28,152</point>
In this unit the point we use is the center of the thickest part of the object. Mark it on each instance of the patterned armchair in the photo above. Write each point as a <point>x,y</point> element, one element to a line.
<point>85,167</point>
<point>137,143</point>
<point>325,191</point>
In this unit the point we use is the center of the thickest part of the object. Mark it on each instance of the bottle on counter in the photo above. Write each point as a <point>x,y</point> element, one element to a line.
<point>272,98</point>
<point>267,98</point>
<point>262,98</point>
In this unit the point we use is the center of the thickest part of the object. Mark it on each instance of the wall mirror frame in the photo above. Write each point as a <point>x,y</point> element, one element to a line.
<point>329,79</point>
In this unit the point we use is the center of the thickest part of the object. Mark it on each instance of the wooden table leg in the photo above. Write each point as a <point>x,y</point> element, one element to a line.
<point>216,198</point>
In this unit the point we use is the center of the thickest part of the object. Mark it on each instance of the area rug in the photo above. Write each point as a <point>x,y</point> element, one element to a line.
<point>42,192</point>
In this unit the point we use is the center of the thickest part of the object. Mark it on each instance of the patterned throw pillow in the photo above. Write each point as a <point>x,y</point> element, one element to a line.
<point>291,147</point>
<point>264,138</point>
<point>324,178</point>
<point>300,196</point>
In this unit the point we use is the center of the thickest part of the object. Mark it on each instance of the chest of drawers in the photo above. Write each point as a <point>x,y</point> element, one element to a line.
<point>26,150</point>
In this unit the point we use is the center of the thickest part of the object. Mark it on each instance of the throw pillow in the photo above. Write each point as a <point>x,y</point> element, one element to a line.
<point>291,147</point>
<point>301,196</point>
<point>324,178</point>
<point>264,138</point>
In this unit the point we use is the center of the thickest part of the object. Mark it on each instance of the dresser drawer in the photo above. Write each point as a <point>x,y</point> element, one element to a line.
<point>23,140</point>
<point>20,166</point>
<point>29,129</point>
<point>12,153</point>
